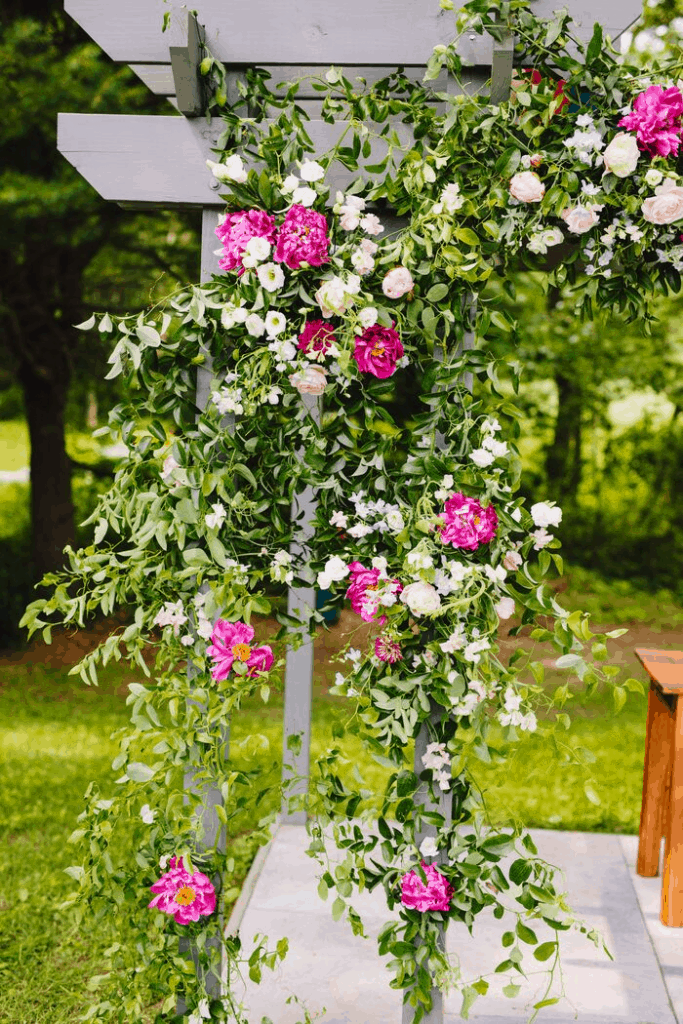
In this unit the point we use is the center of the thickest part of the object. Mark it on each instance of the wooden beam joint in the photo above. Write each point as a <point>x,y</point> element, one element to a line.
<point>185,61</point>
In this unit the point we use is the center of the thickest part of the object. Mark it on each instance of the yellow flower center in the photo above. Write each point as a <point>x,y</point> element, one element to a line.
<point>241,651</point>
<point>477,520</point>
<point>185,896</point>
<point>373,586</point>
<point>377,350</point>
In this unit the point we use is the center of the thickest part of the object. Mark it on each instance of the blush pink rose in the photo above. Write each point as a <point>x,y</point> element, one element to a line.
<point>302,237</point>
<point>666,205</point>
<point>317,336</point>
<point>186,897</point>
<point>362,592</point>
<point>230,642</point>
<point>435,895</point>
<point>236,232</point>
<point>397,282</point>
<point>656,120</point>
<point>527,187</point>
<point>377,351</point>
<point>580,219</point>
<point>467,524</point>
<point>622,155</point>
<point>310,381</point>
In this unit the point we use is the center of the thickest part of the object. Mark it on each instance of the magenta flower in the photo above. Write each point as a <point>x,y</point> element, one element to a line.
<point>362,592</point>
<point>435,895</point>
<point>317,336</point>
<point>377,351</point>
<point>302,237</point>
<point>388,650</point>
<point>230,642</point>
<point>237,230</point>
<point>467,524</point>
<point>187,897</point>
<point>656,120</point>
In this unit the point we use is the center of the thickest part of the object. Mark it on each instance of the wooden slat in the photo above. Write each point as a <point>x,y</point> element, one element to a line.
<point>388,32</point>
<point>160,161</point>
<point>665,668</point>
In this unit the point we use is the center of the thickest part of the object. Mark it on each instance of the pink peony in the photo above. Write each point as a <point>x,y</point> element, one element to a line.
<point>397,282</point>
<point>302,237</point>
<point>377,350</point>
<point>317,336</point>
<point>230,642</point>
<point>467,524</point>
<point>435,895</point>
<point>656,120</point>
<point>237,230</point>
<point>388,650</point>
<point>187,897</point>
<point>362,592</point>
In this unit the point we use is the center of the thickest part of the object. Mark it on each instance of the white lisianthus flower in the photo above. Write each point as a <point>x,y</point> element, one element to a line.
<point>214,520</point>
<point>653,177</point>
<point>275,324</point>
<point>232,170</point>
<point>290,183</point>
<point>368,316</point>
<point>394,521</point>
<point>428,847</point>
<point>336,295</point>
<point>254,325</point>
<point>482,458</point>
<point>146,812</point>
<point>271,276</point>
<point>380,562</point>
<point>552,236</point>
<point>335,570</point>
<point>421,598</point>
<point>311,170</point>
<point>505,608</point>
<point>231,315</point>
<point>304,196</point>
<point>536,244</point>
<point>622,155</point>
<point>258,248</point>
<point>544,514</point>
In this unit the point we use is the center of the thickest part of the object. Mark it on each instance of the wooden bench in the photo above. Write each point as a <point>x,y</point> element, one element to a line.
<point>662,808</point>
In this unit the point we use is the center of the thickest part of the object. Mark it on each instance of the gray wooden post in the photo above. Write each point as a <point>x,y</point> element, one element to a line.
<point>212,831</point>
<point>299,664</point>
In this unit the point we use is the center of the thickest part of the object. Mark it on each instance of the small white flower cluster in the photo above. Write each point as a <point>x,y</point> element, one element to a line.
<point>350,209</point>
<point>147,814</point>
<point>281,568</point>
<point>172,614</point>
<point>303,195</point>
<point>169,466</point>
<point>476,692</point>
<point>362,257</point>
<point>388,517</point>
<point>622,227</point>
<point>674,256</point>
<point>438,759</point>
<point>511,715</point>
<point>285,353</point>
<point>427,659</point>
<point>336,295</point>
<point>228,400</point>
<point>586,143</point>
<point>417,561</point>
<point>541,241</point>
<point>215,519</point>
<point>544,515</point>
<point>204,626</point>
<point>232,170</point>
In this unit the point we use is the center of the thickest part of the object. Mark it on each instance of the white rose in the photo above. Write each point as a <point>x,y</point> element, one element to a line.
<point>232,170</point>
<point>552,236</point>
<point>397,282</point>
<point>580,219</point>
<point>546,515</point>
<point>666,206</point>
<point>428,847</point>
<point>335,296</point>
<point>290,183</point>
<point>394,521</point>
<point>527,187</point>
<point>335,570</point>
<point>421,598</point>
<point>368,316</point>
<point>505,608</point>
<point>481,457</point>
<point>311,170</point>
<point>304,196</point>
<point>271,276</point>
<point>258,248</point>
<point>653,177</point>
<point>311,381</point>
<point>255,325</point>
<point>622,154</point>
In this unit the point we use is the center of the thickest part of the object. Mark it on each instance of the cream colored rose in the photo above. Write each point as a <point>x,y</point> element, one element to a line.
<point>527,187</point>
<point>311,381</point>
<point>397,282</point>
<point>666,205</point>
<point>580,219</point>
<point>622,154</point>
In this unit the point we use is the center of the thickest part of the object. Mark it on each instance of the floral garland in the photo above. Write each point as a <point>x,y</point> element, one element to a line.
<point>426,541</point>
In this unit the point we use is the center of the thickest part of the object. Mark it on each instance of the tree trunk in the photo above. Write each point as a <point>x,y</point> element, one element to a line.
<point>563,459</point>
<point>52,510</point>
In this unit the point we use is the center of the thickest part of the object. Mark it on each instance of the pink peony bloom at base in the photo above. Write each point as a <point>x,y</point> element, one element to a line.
<point>436,895</point>
<point>362,592</point>
<point>656,120</point>
<point>230,642</point>
<point>236,232</point>
<point>317,336</point>
<point>377,351</point>
<point>388,650</point>
<point>187,897</point>
<point>302,237</point>
<point>467,524</point>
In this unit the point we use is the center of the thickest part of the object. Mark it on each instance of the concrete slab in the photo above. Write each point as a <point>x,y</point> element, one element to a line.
<point>331,970</point>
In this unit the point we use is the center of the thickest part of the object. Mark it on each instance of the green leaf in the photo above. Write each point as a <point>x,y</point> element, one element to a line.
<point>526,934</point>
<point>196,557</point>
<point>591,794</point>
<point>595,45</point>
<point>508,939</point>
<point>511,990</point>
<point>619,698</point>
<point>148,336</point>
<point>467,236</point>
<point>437,292</point>
<point>508,162</point>
<point>545,950</point>
<point>139,772</point>
<point>338,908</point>
<point>322,889</point>
<point>245,472</point>
<point>469,997</point>
<point>545,1002</point>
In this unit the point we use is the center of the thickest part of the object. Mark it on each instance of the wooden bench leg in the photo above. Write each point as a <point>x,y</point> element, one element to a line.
<point>672,882</point>
<point>658,752</point>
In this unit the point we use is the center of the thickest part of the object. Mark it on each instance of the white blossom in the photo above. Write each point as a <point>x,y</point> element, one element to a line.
<point>541,538</point>
<point>544,514</point>
<point>215,519</point>
<point>428,847</point>
<point>147,814</point>
<point>339,519</point>
<point>335,570</point>
<point>290,183</point>
<point>304,196</point>
<point>255,325</point>
<point>172,614</point>
<point>482,458</point>
<point>275,324</point>
<point>311,170</point>
<point>271,276</point>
